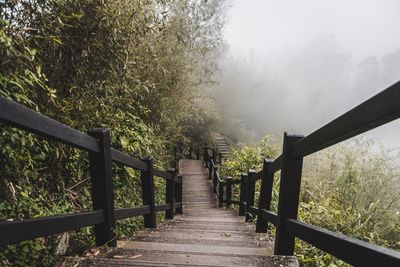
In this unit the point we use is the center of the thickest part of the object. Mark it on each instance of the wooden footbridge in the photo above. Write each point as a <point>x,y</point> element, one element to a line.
<point>203,233</point>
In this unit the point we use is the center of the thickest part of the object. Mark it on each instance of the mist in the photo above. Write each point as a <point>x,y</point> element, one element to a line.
<point>294,66</point>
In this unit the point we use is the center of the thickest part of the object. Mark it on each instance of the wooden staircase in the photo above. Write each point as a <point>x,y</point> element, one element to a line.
<point>204,235</point>
<point>221,145</point>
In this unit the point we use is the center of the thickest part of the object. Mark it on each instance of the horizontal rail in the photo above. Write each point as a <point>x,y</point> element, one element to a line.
<point>127,160</point>
<point>376,111</point>
<point>178,179</point>
<point>163,207</point>
<point>143,210</point>
<point>258,175</point>
<point>131,212</point>
<point>26,119</point>
<point>253,210</point>
<point>219,179</point>
<point>269,216</point>
<point>351,250</point>
<point>12,232</point>
<point>162,174</point>
<point>178,205</point>
<point>277,164</point>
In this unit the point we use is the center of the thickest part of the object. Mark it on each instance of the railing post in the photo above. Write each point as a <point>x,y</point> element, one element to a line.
<point>206,154</point>
<point>214,155</point>
<point>100,167</point>
<point>178,195</point>
<point>251,187</point>
<point>210,167</point>
<point>198,153</point>
<point>220,194</point>
<point>147,180</point>
<point>243,192</point>
<point>264,201</point>
<point>215,178</point>
<point>289,191</point>
<point>169,195</point>
<point>190,152</point>
<point>228,191</point>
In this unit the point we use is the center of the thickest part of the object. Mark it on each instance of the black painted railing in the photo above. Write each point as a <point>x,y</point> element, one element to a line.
<point>101,157</point>
<point>378,110</point>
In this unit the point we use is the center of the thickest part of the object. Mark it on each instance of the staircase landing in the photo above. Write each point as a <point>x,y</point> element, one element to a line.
<point>204,235</point>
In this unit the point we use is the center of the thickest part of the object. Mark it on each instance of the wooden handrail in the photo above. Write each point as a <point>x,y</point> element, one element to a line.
<point>101,156</point>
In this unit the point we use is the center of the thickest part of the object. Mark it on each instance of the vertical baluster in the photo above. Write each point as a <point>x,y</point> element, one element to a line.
<point>243,192</point>
<point>289,191</point>
<point>264,201</point>
<point>228,191</point>
<point>210,167</point>
<point>251,186</point>
<point>178,194</point>
<point>147,180</point>
<point>169,195</point>
<point>215,178</point>
<point>206,154</point>
<point>100,166</point>
<point>220,194</point>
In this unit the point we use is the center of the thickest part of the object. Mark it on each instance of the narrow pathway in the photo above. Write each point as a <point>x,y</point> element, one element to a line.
<point>222,146</point>
<point>204,235</point>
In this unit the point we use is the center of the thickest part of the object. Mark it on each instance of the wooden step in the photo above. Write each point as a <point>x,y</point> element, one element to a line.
<point>204,235</point>
<point>132,257</point>
<point>195,249</point>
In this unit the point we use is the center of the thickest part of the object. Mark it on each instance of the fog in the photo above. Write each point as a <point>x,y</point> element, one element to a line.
<point>296,65</point>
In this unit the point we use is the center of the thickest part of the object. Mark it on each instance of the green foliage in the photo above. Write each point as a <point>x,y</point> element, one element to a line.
<point>249,157</point>
<point>349,188</point>
<point>135,67</point>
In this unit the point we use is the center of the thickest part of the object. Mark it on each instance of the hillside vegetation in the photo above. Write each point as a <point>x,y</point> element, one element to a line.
<point>349,188</point>
<point>136,67</point>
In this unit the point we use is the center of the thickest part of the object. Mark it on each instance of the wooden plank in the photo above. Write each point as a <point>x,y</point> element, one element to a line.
<point>169,194</point>
<point>131,212</point>
<point>162,207</point>
<point>130,257</point>
<point>12,232</point>
<point>162,174</point>
<point>289,191</point>
<point>251,188</point>
<point>264,201</point>
<point>100,167</point>
<point>269,216</point>
<point>178,193</point>
<point>276,165</point>
<point>253,210</point>
<point>350,250</point>
<point>19,116</point>
<point>147,180</point>
<point>243,192</point>
<point>197,248</point>
<point>228,191</point>
<point>127,160</point>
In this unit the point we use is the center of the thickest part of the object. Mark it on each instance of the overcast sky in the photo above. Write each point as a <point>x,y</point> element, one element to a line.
<point>362,27</point>
<point>285,39</point>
